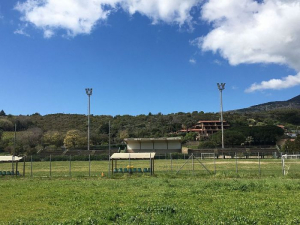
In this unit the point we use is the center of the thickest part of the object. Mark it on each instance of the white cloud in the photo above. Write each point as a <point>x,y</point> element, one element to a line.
<point>277,84</point>
<point>218,62</point>
<point>192,61</point>
<point>48,33</point>
<point>245,31</point>
<point>75,16</point>
<point>170,11</point>
<point>22,32</point>
<point>80,16</point>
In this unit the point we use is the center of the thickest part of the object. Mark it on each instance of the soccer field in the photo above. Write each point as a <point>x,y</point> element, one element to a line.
<point>202,168</point>
<point>188,197</point>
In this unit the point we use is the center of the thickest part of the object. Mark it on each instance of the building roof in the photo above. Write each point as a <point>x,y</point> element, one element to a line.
<point>147,155</point>
<point>154,139</point>
<point>10,158</point>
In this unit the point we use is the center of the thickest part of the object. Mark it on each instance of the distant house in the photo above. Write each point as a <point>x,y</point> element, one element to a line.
<point>206,128</point>
<point>158,145</point>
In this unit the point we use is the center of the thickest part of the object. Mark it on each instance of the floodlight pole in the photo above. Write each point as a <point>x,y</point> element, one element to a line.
<point>14,152</point>
<point>89,93</point>
<point>221,87</point>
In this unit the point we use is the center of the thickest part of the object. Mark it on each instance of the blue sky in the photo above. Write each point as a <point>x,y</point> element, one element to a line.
<point>146,56</point>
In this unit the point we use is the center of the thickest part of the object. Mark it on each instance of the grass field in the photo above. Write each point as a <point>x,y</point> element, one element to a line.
<point>189,197</point>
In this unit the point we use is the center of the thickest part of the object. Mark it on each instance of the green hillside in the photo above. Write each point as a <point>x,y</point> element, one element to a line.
<point>36,132</point>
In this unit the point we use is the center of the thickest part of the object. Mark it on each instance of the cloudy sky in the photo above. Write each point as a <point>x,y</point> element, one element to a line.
<point>142,56</point>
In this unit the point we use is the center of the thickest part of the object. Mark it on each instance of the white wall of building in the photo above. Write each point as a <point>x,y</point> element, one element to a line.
<point>160,145</point>
<point>147,145</point>
<point>174,145</point>
<point>133,145</point>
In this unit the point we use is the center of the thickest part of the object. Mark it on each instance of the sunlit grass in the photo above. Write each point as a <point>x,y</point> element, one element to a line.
<point>179,192</point>
<point>149,200</point>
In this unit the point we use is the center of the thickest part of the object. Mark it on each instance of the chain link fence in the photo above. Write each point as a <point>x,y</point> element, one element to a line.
<point>174,164</point>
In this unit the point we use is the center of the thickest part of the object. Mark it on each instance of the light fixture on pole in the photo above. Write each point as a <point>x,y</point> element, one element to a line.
<point>221,87</point>
<point>89,93</point>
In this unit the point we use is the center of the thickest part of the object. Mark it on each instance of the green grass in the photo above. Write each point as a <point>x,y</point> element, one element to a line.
<point>149,200</point>
<point>189,197</point>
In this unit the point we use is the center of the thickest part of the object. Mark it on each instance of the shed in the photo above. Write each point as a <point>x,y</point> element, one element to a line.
<point>134,156</point>
<point>158,145</point>
<point>10,158</point>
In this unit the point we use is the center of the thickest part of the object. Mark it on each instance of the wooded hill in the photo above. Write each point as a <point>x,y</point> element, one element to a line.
<point>36,131</point>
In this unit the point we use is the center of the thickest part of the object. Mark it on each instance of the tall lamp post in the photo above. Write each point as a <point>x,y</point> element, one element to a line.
<point>221,87</point>
<point>89,93</point>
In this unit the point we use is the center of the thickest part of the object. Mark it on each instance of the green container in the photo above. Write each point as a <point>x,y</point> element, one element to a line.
<point>4,173</point>
<point>8,172</point>
<point>120,170</point>
<point>115,170</point>
<point>139,170</point>
<point>125,170</point>
<point>134,170</point>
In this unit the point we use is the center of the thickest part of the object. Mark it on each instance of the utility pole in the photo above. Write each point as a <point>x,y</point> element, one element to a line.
<point>221,87</point>
<point>89,93</point>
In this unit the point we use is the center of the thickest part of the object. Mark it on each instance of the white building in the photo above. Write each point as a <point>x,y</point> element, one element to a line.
<point>158,145</point>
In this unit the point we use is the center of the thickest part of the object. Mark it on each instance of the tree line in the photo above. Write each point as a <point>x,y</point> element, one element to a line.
<point>35,132</point>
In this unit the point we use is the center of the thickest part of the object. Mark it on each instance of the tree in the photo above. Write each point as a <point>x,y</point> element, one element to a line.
<point>231,138</point>
<point>53,138</point>
<point>32,137</point>
<point>2,113</point>
<point>124,134</point>
<point>297,143</point>
<point>6,125</point>
<point>74,139</point>
<point>191,136</point>
<point>289,147</point>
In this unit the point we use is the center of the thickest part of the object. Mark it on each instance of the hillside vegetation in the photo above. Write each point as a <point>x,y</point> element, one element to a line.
<point>35,132</point>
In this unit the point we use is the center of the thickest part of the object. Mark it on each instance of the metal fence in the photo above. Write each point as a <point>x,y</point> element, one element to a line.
<point>174,164</point>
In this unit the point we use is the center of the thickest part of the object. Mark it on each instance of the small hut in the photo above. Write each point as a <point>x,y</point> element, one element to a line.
<point>133,156</point>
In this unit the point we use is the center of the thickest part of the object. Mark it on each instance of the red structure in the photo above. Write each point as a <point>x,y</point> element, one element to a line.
<point>207,127</point>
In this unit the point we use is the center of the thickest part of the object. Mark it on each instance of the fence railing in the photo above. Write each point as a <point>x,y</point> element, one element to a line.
<point>175,164</point>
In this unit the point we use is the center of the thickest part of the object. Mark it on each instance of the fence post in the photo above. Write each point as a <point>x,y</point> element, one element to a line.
<point>215,163</point>
<point>236,164</point>
<point>31,167</point>
<point>89,165</point>
<point>193,163</point>
<point>23,167</point>
<point>259,170</point>
<point>50,166</point>
<point>171,161</point>
<point>70,167</point>
<point>283,169</point>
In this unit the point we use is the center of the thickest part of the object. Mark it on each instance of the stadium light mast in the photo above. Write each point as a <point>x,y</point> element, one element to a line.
<point>221,87</point>
<point>89,93</point>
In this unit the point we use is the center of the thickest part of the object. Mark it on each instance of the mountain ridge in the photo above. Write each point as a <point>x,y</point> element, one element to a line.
<point>293,103</point>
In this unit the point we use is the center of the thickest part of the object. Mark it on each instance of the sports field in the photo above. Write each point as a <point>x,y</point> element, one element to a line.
<point>188,197</point>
